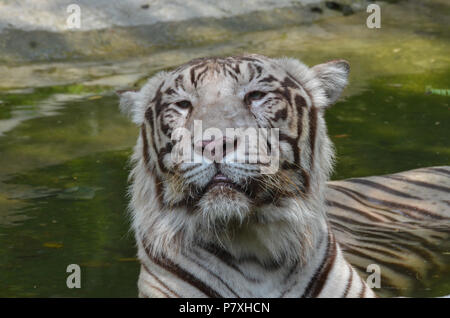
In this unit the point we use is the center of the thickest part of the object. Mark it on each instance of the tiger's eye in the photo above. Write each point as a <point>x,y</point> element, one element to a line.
<point>253,96</point>
<point>184,104</point>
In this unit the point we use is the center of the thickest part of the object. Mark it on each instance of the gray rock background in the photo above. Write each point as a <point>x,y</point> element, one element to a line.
<point>33,30</point>
<point>51,15</point>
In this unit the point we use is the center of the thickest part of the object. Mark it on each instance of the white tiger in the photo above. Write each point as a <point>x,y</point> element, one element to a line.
<point>222,228</point>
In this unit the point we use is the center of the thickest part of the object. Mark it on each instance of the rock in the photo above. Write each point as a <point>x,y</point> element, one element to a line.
<point>332,5</point>
<point>344,8</point>
<point>347,10</point>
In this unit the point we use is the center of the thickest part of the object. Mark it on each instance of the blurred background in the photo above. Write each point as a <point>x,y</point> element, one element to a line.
<point>64,145</point>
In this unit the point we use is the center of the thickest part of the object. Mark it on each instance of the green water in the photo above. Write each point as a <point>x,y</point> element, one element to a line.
<point>391,127</point>
<point>64,149</point>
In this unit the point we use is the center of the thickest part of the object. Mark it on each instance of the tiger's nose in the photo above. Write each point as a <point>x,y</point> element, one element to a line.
<point>216,149</point>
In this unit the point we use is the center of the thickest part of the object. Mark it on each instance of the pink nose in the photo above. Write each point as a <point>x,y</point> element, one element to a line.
<point>216,149</point>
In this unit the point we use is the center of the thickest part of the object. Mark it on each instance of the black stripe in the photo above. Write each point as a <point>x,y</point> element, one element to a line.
<point>420,183</point>
<point>213,274</point>
<point>179,82</point>
<point>252,72</point>
<point>192,72</point>
<point>349,282</point>
<point>377,250</point>
<point>319,278</point>
<point>292,271</point>
<point>268,79</point>
<point>160,290</point>
<point>357,211</point>
<point>149,115</point>
<point>383,188</point>
<point>201,74</point>
<point>363,289</point>
<point>404,208</point>
<point>378,233</point>
<point>312,133</point>
<point>374,234</point>
<point>447,172</point>
<point>227,258</point>
<point>160,282</point>
<point>170,266</point>
<point>397,267</point>
<point>145,149</point>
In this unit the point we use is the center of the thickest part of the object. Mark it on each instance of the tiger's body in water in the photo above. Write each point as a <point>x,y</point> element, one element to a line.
<point>221,228</point>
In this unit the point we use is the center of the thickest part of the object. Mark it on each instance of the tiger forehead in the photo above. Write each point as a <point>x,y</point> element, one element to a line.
<point>213,78</point>
<point>221,62</point>
<point>235,68</point>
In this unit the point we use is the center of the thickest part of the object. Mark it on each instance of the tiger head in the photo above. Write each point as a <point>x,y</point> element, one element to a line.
<point>216,191</point>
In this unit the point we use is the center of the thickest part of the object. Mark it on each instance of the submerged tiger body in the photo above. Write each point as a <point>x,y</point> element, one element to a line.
<point>220,227</point>
<point>401,222</point>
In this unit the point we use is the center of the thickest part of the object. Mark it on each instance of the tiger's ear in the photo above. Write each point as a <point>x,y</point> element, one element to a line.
<point>333,77</point>
<point>129,105</point>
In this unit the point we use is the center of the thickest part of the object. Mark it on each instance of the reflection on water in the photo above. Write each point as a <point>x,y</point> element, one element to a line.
<point>79,218</point>
<point>57,210</point>
<point>63,161</point>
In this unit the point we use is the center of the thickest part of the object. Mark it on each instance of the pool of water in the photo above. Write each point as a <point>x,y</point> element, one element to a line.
<point>64,149</point>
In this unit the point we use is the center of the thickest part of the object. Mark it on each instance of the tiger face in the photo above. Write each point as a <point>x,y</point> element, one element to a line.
<point>217,185</point>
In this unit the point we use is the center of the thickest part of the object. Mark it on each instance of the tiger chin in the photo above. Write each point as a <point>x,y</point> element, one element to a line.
<point>215,225</point>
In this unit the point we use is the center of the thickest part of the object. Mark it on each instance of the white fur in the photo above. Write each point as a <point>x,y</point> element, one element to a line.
<point>287,234</point>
